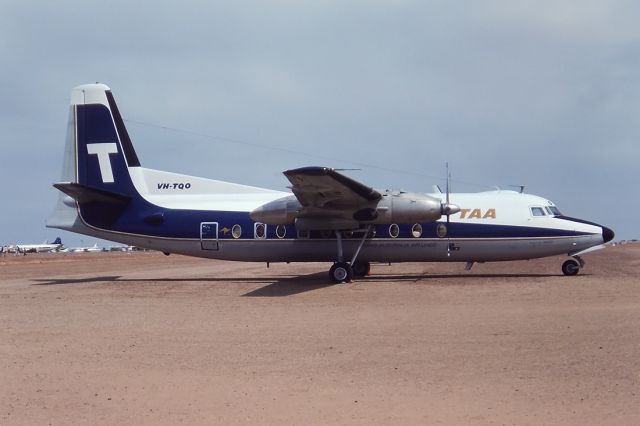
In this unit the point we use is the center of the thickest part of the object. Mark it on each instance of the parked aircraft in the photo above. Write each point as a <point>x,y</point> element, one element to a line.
<point>9,249</point>
<point>39,248</point>
<point>328,217</point>
<point>91,249</point>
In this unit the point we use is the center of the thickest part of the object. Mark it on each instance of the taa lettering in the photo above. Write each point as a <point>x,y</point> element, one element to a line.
<point>477,214</point>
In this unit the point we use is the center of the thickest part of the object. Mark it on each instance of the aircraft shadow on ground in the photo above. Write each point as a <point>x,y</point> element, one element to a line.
<point>289,285</point>
<point>60,281</point>
<point>282,286</point>
<point>461,276</point>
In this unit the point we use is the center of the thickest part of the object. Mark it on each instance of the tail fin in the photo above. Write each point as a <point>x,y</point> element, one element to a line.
<point>57,241</point>
<point>98,158</point>
<point>103,148</point>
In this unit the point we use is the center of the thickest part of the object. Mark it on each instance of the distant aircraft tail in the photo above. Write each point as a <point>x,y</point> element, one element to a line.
<point>57,241</point>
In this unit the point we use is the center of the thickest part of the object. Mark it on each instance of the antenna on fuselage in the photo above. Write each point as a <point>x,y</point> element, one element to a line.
<point>448,209</point>
<point>518,186</point>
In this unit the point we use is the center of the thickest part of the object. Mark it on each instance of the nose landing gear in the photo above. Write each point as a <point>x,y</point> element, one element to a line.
<point>572,266</point>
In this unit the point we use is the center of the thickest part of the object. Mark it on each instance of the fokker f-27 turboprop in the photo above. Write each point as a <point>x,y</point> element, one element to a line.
<point>330,217</point>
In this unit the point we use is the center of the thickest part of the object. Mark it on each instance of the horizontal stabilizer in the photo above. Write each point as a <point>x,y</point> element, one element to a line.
<point>85,194</point>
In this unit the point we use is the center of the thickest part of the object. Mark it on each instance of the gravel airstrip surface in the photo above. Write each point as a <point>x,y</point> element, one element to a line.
<point>140,338</point>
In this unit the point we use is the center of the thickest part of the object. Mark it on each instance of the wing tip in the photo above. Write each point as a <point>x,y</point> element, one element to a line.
<point>309,171</point>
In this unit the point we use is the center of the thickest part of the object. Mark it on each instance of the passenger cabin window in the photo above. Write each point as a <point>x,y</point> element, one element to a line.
<point>236,231</point>
<point>537,211</point>
<point>416,230</point>
<point>260,231</point>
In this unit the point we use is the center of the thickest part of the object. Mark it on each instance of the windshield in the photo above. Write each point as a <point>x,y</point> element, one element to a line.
<point>553,210</point>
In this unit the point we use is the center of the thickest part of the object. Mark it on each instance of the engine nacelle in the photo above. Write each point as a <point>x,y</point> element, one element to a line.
<point>282,211</point>
<point>405,207</point>
<point>396,207</point>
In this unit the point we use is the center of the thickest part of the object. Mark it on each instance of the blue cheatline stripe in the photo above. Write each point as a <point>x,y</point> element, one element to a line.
<point>143,218</point>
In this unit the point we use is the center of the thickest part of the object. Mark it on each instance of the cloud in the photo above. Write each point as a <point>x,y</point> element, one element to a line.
<point>536,93</point>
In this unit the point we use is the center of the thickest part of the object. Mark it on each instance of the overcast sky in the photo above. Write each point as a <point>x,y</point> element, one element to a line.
<point>544,94</point>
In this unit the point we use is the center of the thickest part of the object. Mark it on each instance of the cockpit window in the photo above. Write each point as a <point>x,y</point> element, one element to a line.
<point>554,211</point>
<point>537,211</point>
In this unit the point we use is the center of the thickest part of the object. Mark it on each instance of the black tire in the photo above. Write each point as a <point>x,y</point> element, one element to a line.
<point>361,269</point>
<point>570,267</point>
<point>340,272</point>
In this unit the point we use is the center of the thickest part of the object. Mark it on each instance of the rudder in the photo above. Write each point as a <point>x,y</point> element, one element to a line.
<point>103,148</point>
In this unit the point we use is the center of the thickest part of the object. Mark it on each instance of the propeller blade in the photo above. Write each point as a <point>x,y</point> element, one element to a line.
<point>448,177</point>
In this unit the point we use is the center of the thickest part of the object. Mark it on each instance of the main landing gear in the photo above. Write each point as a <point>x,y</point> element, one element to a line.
<point>572,266</point>
<point>343,272</point>
<point>361,269</point>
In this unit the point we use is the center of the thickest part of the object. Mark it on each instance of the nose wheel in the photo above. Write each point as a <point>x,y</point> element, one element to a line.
<point>571,267</point>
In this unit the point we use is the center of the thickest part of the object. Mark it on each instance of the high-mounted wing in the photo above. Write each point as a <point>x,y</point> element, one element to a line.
<point>324,199</point>
<point>322,187</point>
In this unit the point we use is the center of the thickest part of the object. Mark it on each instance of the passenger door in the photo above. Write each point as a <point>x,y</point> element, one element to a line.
<point>209,235</point>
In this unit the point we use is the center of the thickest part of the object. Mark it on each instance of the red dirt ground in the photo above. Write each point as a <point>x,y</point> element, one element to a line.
<point>120,338</point>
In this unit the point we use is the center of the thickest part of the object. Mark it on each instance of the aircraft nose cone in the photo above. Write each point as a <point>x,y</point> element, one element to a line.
<point>607,234</point>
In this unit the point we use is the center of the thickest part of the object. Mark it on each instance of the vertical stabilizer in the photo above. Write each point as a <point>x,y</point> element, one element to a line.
<point>98,155</point>
<point>103,147</point>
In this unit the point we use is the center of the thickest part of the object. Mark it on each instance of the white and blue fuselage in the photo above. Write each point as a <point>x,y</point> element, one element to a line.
<point>106,193</point>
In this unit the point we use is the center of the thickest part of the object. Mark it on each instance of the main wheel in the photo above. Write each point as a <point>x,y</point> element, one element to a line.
<point>570,267</point>
<point>361,269</point>
<point>341,272</point>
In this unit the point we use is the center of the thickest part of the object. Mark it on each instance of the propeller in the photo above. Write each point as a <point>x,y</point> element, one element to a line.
<point>448,209</point>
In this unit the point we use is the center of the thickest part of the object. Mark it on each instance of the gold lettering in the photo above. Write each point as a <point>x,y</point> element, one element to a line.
<point>491,213</point>
<point>475,213</point>
<point>463,213</point>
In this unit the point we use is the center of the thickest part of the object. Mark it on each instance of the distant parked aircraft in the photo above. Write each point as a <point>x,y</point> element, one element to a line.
<point>93,248</point>
<point>121,248</point>
<point>39,248</point>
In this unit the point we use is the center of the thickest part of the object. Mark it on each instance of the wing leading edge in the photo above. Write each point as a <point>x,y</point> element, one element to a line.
<point>326,199</point>
<point>323,187</point>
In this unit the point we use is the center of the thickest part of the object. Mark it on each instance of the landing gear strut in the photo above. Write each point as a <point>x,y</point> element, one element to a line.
<point>343,272</point>
<point>572,266</point>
